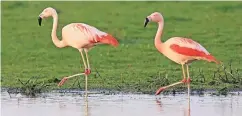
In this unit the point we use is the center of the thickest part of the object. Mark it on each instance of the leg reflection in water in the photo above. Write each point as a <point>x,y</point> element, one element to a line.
<point>86,105</point>
<point>160,108</point>
<point>187,111</point>
<point>159,104</point>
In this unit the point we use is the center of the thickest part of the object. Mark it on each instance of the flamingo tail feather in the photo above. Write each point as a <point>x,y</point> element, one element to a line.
<point>108,39</point>
<point>211,58</point>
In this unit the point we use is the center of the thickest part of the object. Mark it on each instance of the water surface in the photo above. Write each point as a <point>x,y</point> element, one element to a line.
<point>59,104</point>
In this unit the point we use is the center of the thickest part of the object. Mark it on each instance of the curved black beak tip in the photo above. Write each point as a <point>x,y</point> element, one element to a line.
<point>39,20</point>
<point>146,22</point>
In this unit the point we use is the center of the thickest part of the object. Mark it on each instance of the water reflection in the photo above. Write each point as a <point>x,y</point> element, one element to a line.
<point>120,105</point>
<point>159,104</point>
<point>86,105</point>
<point>187,110</point>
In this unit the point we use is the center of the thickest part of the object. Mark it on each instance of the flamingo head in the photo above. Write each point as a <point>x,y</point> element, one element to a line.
<point>47,12</point>
<point>154,17</point>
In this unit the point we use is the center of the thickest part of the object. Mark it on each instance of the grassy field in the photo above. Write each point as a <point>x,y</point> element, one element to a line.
<point>27,49</point>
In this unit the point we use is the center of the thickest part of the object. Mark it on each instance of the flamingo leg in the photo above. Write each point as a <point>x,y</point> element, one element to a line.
<point>180,82</point>
<point>83,59</point>
<point>66,78</point>
<point>88,70</point>
<point>86,84</point>
<point>188,87</point>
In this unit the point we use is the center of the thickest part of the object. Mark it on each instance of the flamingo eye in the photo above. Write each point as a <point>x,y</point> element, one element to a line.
<point>155,15</point>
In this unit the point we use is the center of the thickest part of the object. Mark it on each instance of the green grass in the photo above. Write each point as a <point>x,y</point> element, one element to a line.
<point>27,49</point>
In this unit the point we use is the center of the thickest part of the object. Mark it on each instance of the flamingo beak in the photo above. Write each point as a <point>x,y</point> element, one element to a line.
<point>146,21</point>
<point>39,20</point>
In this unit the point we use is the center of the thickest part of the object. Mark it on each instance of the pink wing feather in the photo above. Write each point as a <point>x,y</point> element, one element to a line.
<point>189,47</point>
<point>97,36</point>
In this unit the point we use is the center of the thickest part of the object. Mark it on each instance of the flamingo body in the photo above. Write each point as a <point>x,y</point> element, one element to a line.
<point>184,51</point>
<point>77,35</point>
<point>180,50</point>
<point>80,35</point>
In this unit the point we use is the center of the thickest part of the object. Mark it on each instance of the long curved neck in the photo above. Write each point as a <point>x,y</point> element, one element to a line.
<point>158,43</point>
<point>55,39</point>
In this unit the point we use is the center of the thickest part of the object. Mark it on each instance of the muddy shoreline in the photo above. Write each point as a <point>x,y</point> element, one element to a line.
<point>114,92</point>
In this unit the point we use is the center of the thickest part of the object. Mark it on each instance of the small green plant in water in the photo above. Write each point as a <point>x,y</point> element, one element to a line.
<point>32,87</point>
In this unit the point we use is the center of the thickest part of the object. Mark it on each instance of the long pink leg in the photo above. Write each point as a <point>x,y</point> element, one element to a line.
<point>188,87</point>
<point>180,82</point>
<point>83,59</point>
<point>87,70</point>
<point>66,78</point>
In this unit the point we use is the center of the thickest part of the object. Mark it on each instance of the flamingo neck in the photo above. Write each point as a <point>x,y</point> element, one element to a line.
<point>158,43</point>
<point>55,39</point>
<point>55,23</point>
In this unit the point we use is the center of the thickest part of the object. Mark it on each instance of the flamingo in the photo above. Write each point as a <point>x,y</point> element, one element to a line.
<point>178,49</point>
<point>81,36</point>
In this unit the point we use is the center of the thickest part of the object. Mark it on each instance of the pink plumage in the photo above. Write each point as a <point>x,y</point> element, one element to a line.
<point>180,50</point>
<point>190,48</point>
<point>96,36</point>
<point>77,35</point>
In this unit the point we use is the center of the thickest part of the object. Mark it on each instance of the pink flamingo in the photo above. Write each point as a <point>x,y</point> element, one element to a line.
<point>77,35</point>
<point>178,49</point>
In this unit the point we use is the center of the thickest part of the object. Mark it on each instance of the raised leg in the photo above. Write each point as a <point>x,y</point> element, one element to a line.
<point>188,87</point>
<point>66,78</point>
<point>180,82</point>
<point>85,73</point>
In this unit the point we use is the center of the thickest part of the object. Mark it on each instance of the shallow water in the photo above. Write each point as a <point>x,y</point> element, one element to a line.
<point>56,104</point>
